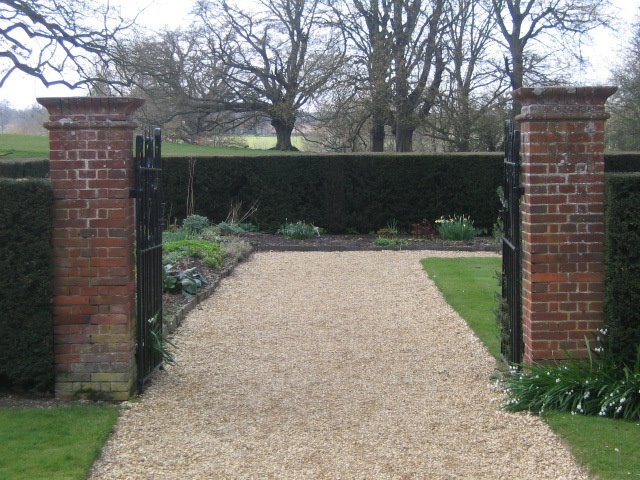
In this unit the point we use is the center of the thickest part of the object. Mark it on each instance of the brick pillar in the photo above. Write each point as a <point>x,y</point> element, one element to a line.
<point>92,173</point>
<point>562,218</point>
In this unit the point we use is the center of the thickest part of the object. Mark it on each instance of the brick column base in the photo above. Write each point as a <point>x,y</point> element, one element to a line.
<point>92,173</point>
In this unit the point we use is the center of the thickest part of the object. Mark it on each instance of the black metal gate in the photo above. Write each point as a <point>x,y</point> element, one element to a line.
<point>512,344</point>
<point>148,194</point>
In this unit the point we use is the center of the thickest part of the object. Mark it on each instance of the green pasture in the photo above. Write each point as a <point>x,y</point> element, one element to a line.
<point>15,147</point>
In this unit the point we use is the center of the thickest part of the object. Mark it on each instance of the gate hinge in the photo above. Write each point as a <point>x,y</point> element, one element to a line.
<point>519,190</point>
<point>133,193</point>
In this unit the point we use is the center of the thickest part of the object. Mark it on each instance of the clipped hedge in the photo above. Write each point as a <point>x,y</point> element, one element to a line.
<point>622,162</point>
<point>622,271</point>
<point>26,330</point>
<point>24,169</point>
<point>341,193</point>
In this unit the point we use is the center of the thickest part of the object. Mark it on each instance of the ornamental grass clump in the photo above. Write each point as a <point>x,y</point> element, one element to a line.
<point>456,228</point>
<point>299,230</point>
<point>586,387</point>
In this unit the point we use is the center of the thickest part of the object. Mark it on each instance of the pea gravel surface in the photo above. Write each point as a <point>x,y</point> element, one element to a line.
<point>344,365</point>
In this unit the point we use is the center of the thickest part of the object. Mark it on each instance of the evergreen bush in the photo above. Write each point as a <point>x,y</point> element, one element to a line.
<point>622,268</point>
<point>26,329</point>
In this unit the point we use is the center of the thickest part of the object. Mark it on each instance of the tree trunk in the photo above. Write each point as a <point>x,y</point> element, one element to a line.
<point>404,139</point>
<point>283,135</point>
<point>377,137</point>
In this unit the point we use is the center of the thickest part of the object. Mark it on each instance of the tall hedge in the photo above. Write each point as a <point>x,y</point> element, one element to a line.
<point>342,193</point>
<point>622,273</point>
<point>622,162</point>
<point>26,331</point>
<point>24,169</point>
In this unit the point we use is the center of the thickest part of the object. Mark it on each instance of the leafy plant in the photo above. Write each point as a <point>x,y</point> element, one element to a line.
<point>390,242</point>
<point>187,281</point>
<point>456,228</point>
<point>587,387</point>
<point>210,252</point>
<point>299,230</point>
<point>175,235</point>
<point>231,228</point>
<point>160,343</point>
<point>170,281</point>
<point>423,229</point>
<point>390,231</point>
<point>498,226</point>
<point>195,223</point>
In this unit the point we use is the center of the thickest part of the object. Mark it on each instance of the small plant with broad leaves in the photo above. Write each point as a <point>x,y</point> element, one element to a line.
<point>456,228</point>
<point>188,281</point>
<point>299,230</point>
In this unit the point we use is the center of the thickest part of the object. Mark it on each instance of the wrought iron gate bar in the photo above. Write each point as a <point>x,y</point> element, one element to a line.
<point>512,344</point>
<point>148,194</point>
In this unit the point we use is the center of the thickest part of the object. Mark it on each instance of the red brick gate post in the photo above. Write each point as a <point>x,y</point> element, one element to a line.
<point>92,173</point>
<point>562,218</point>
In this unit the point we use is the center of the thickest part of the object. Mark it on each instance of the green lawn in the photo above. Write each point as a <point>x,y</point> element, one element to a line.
<point>15,147</point>
<point>59,442</point>
<point>469,285</point>
<point>607,447</point>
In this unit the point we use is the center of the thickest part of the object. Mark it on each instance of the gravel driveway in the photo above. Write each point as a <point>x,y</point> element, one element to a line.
<point>329,365</point>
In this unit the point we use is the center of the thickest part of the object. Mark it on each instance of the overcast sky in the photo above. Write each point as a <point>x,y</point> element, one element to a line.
<point>22,91</point>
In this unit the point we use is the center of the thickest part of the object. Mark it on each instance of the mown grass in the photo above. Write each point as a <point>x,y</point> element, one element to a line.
<point>15,147</point>
<point>607,448</point>
<point>469,285</point>
<point>60,442</point>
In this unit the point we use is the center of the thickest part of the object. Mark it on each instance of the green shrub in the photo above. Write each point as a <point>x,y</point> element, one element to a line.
<point>456,228</point>
<point>25,169</point>
<point>176,235</point>
<point>390,242</point>
<point>341,192</point>
<point>299,230</point>
<point>211,253</point>
<point>195,223</point>
<point>622,268</point>
<point>595,387</point>
<point>26,327</point>
<point>622,162</point>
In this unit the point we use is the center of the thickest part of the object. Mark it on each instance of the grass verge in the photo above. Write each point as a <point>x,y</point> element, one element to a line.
<point>469,285</point>
<point>60,442</point>
<point>606,447</point>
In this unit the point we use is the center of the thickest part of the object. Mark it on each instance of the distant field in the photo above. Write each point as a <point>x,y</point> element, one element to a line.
<point>14,147</point>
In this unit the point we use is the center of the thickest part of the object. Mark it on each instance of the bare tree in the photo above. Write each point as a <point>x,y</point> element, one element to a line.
<point>623,130</point>
<point>472,87</point>
<point>366,24</point>
<point>397,53</point>
<point>275,60</point>
<point>48,38</point>
<point>535,30</point>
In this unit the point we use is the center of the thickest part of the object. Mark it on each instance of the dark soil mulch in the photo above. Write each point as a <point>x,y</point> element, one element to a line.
<point>342,243</point>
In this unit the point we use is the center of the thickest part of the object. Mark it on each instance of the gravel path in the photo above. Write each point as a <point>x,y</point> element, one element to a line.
<point>329,365</point>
